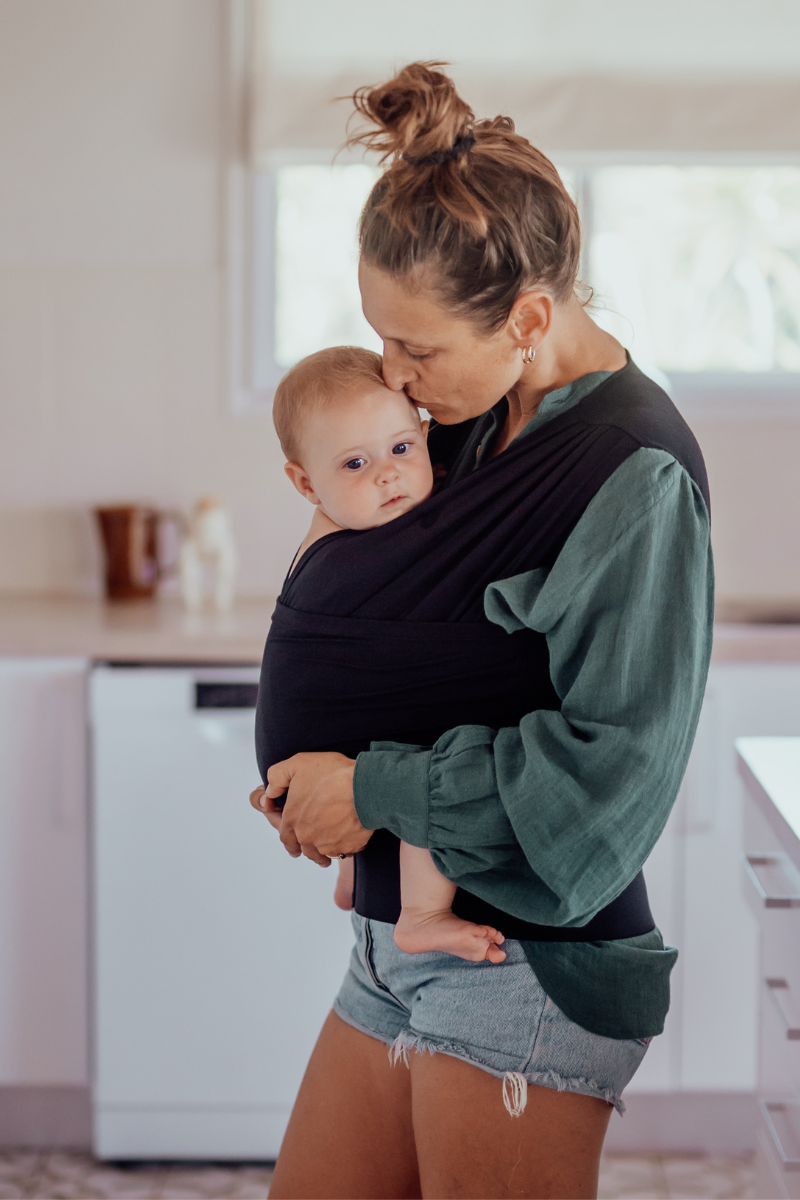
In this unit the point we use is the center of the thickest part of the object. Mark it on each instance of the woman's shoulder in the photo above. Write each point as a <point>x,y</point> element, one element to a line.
<point>648,506</point>
<point>632,401</point>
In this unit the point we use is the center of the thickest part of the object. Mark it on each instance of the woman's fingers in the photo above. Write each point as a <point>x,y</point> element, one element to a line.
<point>279,776</point>
<point>257,798</point>
<point>318,809</point>
<point>316,856</point>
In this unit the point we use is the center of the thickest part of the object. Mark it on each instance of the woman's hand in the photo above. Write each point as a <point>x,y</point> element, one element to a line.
<point>319,817</point>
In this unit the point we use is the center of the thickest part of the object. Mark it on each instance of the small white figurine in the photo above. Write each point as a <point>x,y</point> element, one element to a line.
<point>209,545</point>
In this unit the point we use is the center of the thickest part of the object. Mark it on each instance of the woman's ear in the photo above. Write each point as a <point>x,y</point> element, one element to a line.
<point>301,481</point>
<point>530,317</point>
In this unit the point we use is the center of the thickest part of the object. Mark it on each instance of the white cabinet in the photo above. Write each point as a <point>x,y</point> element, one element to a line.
<point>43,872</point>
<point>694,879</point>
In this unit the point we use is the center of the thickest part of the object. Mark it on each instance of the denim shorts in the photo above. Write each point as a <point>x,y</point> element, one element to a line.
<point>495,1016</point>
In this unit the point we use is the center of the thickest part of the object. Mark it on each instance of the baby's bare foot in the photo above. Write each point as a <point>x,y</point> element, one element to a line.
<point>419,933</point>
<point>343,892</point>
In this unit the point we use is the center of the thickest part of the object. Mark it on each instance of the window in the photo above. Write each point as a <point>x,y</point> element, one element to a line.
<point>317,301</point>
<point>696,269</point>
<point>704,262</point>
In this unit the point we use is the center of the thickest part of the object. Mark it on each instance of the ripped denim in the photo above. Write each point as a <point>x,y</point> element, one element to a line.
<point>494,1016</point>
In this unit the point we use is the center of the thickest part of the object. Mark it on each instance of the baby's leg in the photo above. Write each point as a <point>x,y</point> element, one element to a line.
<point>427,922</point>
<point>343,893</point>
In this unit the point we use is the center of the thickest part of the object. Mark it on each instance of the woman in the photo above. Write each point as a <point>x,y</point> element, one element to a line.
<point>469,255</point>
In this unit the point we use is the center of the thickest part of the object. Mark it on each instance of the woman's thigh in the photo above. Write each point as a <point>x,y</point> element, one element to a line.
<point>468,1145</point>
<point>350,1134</point>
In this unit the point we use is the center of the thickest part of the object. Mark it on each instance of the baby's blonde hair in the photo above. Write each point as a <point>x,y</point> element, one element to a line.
<point>314,383</point>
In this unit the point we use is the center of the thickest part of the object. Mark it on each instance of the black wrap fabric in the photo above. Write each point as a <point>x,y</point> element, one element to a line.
<point>381,635</point>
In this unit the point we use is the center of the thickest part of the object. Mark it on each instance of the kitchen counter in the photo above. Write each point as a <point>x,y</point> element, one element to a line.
<point>137,631</point>
<point>163,631</point>
<point>770,767</point>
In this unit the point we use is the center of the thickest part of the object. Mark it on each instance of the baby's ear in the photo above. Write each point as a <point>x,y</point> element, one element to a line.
<point>297,473</point>
<point>425,427</point>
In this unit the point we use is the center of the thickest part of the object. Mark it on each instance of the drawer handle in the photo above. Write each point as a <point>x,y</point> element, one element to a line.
<point>788,899</point>
<point>780,992</point>
<point>768,1107</point>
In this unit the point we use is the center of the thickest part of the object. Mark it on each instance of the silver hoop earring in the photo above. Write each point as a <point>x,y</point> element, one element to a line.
<point>528,355</point>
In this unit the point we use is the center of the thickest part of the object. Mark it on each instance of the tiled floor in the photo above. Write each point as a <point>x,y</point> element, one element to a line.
<point>676,1177</point>
<point>30,1175</point>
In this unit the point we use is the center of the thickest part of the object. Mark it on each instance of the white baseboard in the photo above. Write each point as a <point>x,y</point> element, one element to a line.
<point>684,1122</point>
<point>656,1122</point>
<point>243,1134</point>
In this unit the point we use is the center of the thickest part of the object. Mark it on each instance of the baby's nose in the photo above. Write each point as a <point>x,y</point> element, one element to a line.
<point>387,470</point>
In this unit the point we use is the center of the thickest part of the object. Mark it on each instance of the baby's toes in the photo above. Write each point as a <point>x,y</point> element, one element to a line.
<point>495,954</point>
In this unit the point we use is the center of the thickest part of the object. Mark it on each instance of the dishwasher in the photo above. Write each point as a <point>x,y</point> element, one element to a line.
<point>216,956</point>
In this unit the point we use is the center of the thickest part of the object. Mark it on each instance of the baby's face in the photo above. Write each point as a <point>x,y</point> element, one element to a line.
<point>366,458</point>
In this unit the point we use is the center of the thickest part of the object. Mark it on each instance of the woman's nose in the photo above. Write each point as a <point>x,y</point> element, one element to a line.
<point>397,370</point>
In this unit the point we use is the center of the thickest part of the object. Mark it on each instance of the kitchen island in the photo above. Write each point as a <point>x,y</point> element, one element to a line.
<point>770,768</point>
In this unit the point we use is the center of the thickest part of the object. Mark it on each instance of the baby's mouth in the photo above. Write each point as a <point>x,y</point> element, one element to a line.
<point>394,501</point>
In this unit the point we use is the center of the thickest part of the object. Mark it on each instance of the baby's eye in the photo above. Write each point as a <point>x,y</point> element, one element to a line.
<point>401,448</point>
<point>355,464</point>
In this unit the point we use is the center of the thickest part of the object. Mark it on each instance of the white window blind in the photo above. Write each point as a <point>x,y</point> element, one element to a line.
<point>718,76</point>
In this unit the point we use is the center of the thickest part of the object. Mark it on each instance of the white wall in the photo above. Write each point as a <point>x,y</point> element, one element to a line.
<point>113,316</point>
<point>112,357</point>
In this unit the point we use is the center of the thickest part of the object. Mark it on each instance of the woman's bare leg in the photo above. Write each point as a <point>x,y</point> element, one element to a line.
<point>350,1135</point>
<point>468,1144</point>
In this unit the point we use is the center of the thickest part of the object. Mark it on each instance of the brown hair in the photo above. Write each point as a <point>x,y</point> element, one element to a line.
<point>314,383</point>
<point>485,209</point>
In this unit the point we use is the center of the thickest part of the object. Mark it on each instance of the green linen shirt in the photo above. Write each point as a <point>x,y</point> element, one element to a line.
<point>551,819</point>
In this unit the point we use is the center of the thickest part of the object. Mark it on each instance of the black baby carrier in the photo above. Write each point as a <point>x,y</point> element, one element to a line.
<point>381,635</point>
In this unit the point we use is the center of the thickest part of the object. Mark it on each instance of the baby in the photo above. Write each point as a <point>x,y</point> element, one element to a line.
<point>358,452</point>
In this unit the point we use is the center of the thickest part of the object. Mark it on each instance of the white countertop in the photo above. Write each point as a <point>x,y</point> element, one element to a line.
<point>163,631</point>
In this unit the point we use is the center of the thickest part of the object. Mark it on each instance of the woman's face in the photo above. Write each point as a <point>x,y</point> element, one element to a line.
<point>443,363</point>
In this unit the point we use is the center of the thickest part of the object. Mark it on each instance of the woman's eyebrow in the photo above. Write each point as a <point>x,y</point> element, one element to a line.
<point>406,342</point>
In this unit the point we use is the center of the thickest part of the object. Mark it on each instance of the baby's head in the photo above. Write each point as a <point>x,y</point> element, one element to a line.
<point>353,446</point>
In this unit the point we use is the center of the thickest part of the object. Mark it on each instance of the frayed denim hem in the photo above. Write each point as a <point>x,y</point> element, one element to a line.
<point>515,1083</point>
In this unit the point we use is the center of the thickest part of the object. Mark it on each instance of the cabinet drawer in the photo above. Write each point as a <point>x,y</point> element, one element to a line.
<point>779,1146</point>
<point>779,1040</point>
<point>780,951</point>
<point>772,882</point>
<point>758,836</point>
<point>769,1177</point>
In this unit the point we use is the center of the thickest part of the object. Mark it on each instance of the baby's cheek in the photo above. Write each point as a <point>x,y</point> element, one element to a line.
<point>357,507</point>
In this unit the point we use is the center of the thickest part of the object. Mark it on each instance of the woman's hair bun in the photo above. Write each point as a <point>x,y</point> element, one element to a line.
<point>417,113</point>
<point>472,201</point>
